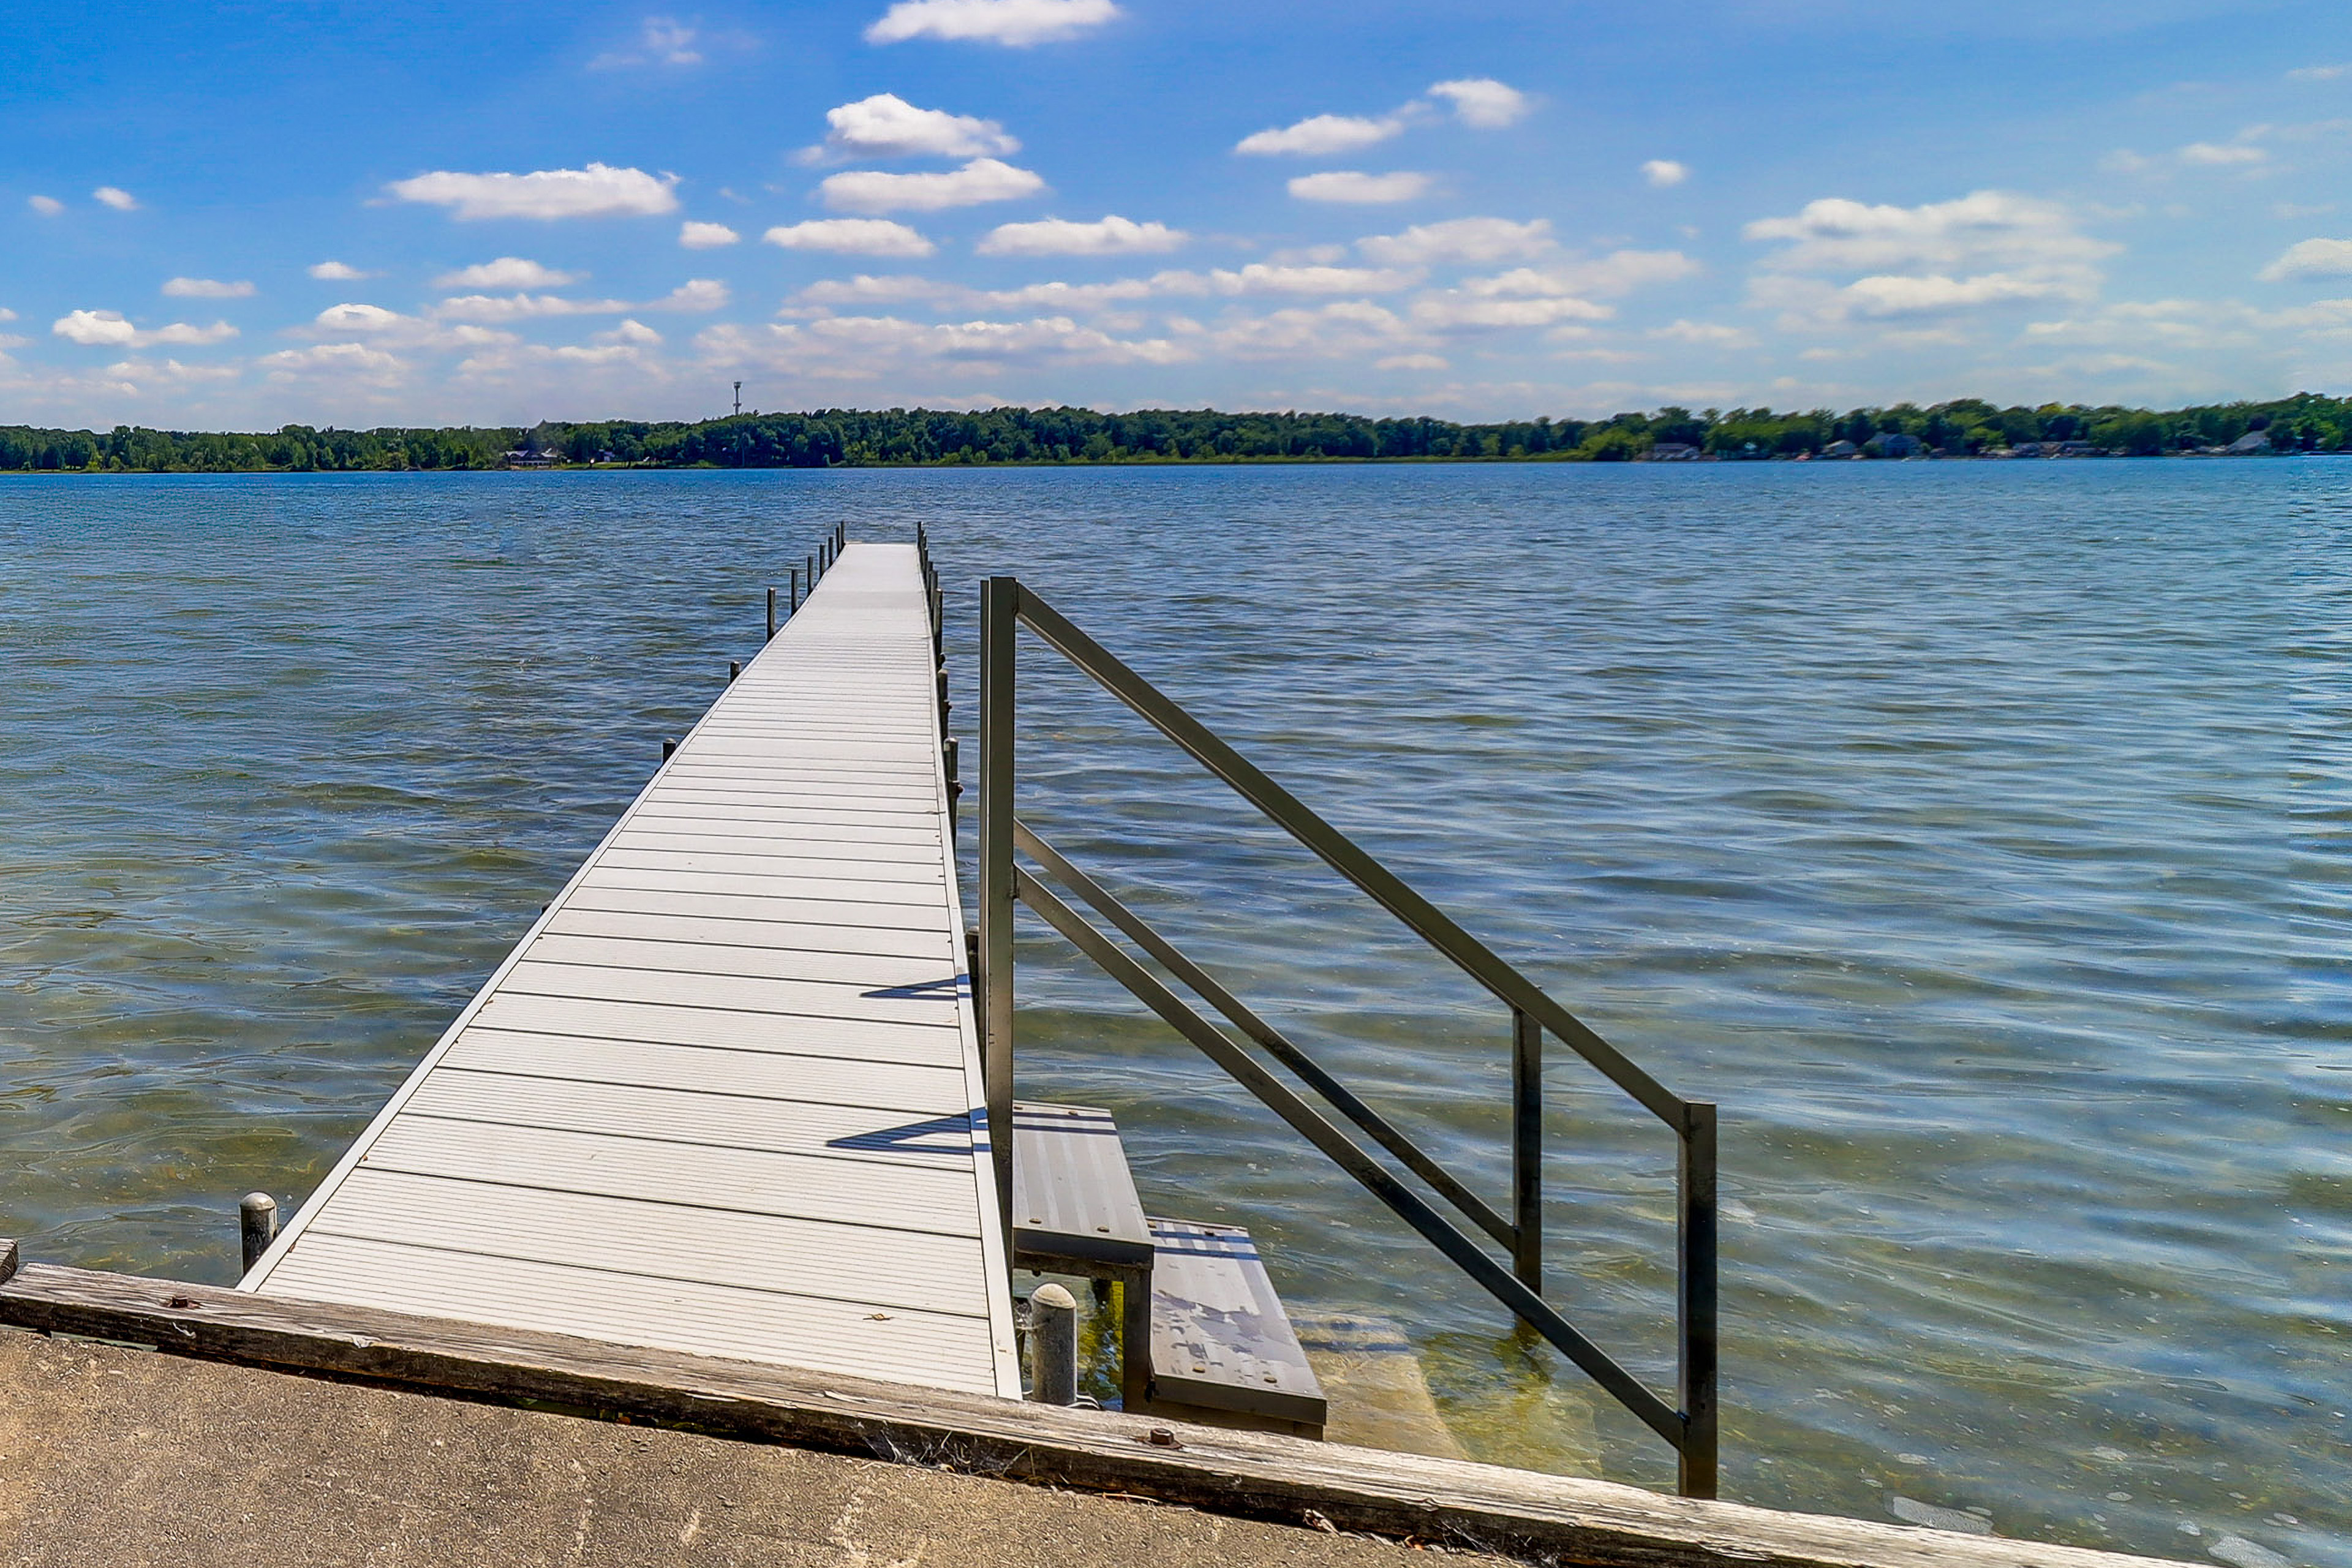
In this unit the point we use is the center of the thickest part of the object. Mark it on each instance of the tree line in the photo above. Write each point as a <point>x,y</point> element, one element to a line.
<point>843,438</point>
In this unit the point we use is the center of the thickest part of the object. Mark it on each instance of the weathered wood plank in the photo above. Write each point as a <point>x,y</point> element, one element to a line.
<point>1250,1474</point>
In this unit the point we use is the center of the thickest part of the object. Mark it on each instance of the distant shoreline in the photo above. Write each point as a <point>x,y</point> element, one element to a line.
<point>1964,430</point>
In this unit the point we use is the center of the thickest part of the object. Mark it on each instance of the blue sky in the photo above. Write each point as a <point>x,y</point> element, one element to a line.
<point>235,216</point>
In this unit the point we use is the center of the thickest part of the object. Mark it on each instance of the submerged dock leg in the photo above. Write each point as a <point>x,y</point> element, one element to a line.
<point>257,1219</point>
<point>1053,1346</point>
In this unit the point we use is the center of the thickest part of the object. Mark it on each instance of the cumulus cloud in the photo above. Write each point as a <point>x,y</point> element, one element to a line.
<point>852,237</point>
<point>599,190</point>
<point>349,361</point>
<point>337,272</point>
<point>1346,327</point>
<point>697,235</point>
<point>521,307</point>
<point>207,288</point>
<point>1469,241</point>
<point>118,198</point>
<point>981,180</point>
<point>1268,277</point>
<point>1108,236</point>
<point>1017,22</point>
<point>1619,273</point>
<point>631,331</point>
<point>696,294</point>
<point>395,329</point>
<point>1989,247</point>
<point>507,272</point>
<point>110,329</point>
<point>1321,136</point>
<point>888,126</point>
<point>1349,186</point>
<point>1483,102</point>
<point>2311,259</point>
<point>2318,73</point>
<point>1704,335</point>
<point>2222,155</point>
<point>1665,171</point>
<point>47,206</point>
<point>661,41</point>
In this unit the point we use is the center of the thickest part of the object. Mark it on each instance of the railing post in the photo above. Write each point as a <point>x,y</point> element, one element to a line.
<point>1695,1300</point>
<point>1000,605</point>
<point>771,614</point>
<point>1526,1150</point>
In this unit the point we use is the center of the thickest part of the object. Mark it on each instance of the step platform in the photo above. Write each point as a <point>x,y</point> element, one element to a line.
<point>1222,1346</point>
<point>1074,1211</point>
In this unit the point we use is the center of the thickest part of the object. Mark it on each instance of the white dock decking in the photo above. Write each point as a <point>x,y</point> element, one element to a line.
<point>720,1098</point>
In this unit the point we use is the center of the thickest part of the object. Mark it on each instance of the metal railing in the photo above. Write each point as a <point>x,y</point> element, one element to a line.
<point>1688,1423</point>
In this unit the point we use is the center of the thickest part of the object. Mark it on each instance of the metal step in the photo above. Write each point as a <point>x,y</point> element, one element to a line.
<point>1219,1339</point>
<point>1074,1211</point>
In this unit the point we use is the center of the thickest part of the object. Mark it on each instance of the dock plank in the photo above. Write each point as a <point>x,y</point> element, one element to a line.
<point>720,1098</point>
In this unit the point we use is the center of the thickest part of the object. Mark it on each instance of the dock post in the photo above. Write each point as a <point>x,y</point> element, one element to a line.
<point>735,667</point>
<point>256,1224</point>
<point>669,750</point>
<point>797,589</point>
<point>1695,1303</point>
<point>1053,1346</point>
<point>1000,603</point>
<point>771,614</point>
<point>812,574</point>
<point>1526,1150</point>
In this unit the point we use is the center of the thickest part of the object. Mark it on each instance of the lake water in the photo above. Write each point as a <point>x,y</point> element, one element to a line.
<point>1975,835</point>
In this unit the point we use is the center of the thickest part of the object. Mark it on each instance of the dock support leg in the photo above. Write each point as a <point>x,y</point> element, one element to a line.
<point>771,614</point>
<point>256,1224</point>
<point>1526,1150</point>
<point>999,603</point>
<point>1053,1346</point>
<point>1695,1301</point>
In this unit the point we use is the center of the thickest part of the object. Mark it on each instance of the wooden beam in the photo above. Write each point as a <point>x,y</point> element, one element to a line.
<point>1255,1475</point>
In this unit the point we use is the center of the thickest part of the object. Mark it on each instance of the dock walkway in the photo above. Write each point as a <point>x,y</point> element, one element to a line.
<point>720,1098</point>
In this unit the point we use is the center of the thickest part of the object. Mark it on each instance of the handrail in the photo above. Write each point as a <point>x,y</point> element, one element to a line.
<point>1691,1428</point>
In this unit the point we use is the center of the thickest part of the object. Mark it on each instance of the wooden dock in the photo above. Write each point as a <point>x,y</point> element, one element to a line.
<point>721,1099</point>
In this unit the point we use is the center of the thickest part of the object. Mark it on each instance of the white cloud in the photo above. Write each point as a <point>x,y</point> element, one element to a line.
<point>519,306</point>
<point>981,180</point>
<point>1483,102</point>
<point>599,190</point>
<point>1990,248</point>
<point>706,235</point>
<point>1060,237</point>
<point>633,332</point>
<point>1705,334</point>
<point>888,126</point>
<point>337,272</point>
<point>93,329</point>
<point>1346,327</point>
<point>696,294</point>
<point>2221,155</point>
<point>2318,73</point>
<point>349,361</point>
<point>1619,273</point>
<point>507,272</point>
<point>2310,258</point>
<point>1411,361</point>
<point>118,198</point>
<point>207,288</point>
<point>47,206</point>
<point>1017,22</point>
<point>1261,278</point>
<point>389,327</point>
<point>8,315</point>
<point>853,236</point>
<point>1455,310</point>
<point>1997,227</point>
<point>1349,186</point>
<point>661,41</point>
<point>1665,171</point>
<point>1470,241</point>
<point>1322,136</point>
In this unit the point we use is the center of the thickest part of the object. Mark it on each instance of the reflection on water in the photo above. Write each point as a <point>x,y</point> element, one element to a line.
<point>1973,834</point>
